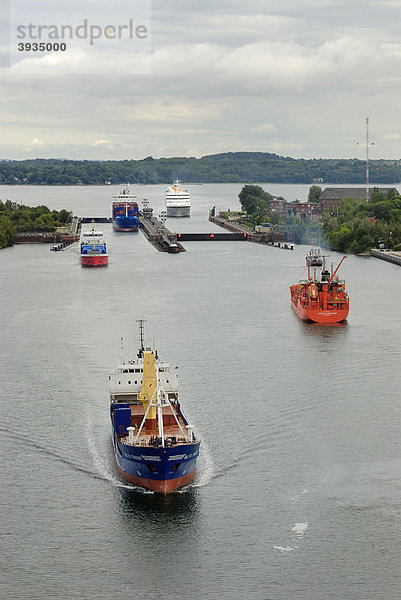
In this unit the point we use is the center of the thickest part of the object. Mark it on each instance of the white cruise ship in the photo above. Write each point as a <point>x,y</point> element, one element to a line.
<point>178,201</point>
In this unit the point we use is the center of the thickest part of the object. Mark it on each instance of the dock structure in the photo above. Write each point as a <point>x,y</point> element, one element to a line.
<point>207,237</point>
<point>165,240</point>
<point>158,235</point>
<point>95,219</point>
<point>74,226</point>
<point>267,238</point>
<point>388,255</point>
<point>64,241</point>
<point>60,240</point>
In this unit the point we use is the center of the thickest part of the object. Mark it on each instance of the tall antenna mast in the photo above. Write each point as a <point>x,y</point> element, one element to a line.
<point>368,143</point>
<point>121,350</point>
<point>367,159</point>
<point>141,330</point>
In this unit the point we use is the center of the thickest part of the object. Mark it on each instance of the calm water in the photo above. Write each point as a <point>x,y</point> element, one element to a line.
<point>298,490</point>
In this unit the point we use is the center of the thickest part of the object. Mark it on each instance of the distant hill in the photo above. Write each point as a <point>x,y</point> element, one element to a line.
<point>227,167</point>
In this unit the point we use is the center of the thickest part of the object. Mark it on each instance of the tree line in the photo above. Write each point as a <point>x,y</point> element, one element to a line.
<point>17,218</point>
<point>363,225</point>
<point>359,226</point>
<point>229,167</point>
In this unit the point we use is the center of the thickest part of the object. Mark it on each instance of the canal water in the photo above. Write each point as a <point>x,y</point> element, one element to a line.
<point>298,491</point>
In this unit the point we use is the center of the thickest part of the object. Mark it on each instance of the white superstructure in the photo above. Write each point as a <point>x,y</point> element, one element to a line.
<point>178,201</point>
<point>125,195</point>
<point>126,382</point>
<point>92,237</point>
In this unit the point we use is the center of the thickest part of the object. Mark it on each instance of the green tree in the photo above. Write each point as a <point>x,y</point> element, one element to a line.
<point>382,210</point>
<point>275,218</point>
<point>315,191</point>
<point>7,231</point>
<point>256,204</point>
<point>64,216</point>
<point>248,194</point>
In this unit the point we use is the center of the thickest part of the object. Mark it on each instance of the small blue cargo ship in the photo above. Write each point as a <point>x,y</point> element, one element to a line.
<point>93,249</point>
<point>154,445</point>
<point>125,211</point>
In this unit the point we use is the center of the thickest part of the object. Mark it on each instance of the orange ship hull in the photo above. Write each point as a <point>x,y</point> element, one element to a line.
<point>318,315</point>
<point>326,306</point>
<point>323,300</point>
<point>164,487</point>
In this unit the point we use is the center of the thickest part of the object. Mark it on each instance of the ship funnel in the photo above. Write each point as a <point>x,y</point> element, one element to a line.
<point>149,385</point>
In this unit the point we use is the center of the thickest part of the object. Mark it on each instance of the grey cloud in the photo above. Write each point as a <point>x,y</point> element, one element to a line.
<point>295,77</point>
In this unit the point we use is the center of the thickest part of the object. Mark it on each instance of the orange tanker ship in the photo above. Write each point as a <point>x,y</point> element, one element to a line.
<point>321,300</point>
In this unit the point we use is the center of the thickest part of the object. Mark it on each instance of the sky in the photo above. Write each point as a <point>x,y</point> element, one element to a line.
<point>293,77</point>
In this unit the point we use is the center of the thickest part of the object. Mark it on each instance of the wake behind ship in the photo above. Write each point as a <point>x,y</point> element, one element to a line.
<point>125,211</point>
<point>321,300</point>
<point>154,445</point>
<point>93,249</point>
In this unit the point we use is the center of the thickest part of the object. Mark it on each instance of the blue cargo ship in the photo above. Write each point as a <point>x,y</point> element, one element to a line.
<point>125,211</point>
<point>154,445</point>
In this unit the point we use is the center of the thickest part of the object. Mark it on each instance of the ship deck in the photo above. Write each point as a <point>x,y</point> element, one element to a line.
<point>170,427</point>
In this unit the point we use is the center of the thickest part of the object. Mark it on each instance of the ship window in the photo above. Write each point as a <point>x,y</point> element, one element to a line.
<point>129,383</point>
<point>119,383</point>
<point>176,466</point>
<point>166,380</point>
<point>136,382</point>
<point>152,468</point>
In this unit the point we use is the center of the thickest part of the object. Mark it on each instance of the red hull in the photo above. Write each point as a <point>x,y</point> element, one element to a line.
<point>325,317</point>
<point>95,261</point>
<point>125,229</point>
<point>321,300</point>
<point>161,487</point>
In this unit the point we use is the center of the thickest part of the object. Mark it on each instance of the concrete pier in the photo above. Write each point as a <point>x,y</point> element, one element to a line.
<point>389,255</point>
<point>159,236</point>
<point>269,238</point>
<point>95,219</point>
<point>201,237</point>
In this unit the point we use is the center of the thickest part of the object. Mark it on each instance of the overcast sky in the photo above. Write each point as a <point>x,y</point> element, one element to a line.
<point>294,77</point>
